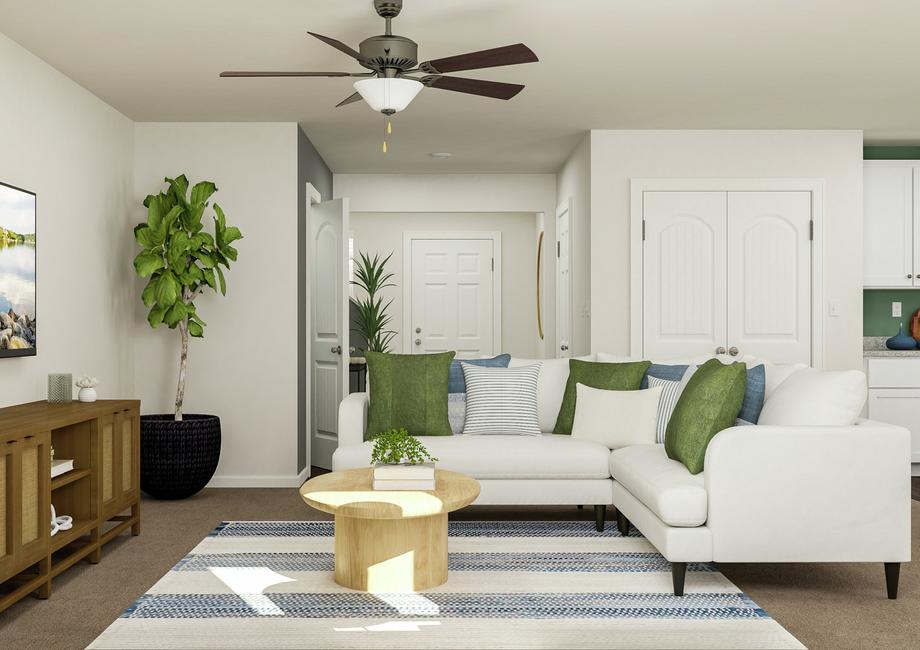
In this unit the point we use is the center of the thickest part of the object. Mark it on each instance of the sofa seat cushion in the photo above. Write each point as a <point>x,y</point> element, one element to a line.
<point>546,456</point>
<point>665,486</point>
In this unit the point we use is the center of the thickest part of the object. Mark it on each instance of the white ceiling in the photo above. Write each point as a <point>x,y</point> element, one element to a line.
<point>603,64</point>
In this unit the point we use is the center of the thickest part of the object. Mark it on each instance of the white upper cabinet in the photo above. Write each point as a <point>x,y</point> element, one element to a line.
<point>890,219</point>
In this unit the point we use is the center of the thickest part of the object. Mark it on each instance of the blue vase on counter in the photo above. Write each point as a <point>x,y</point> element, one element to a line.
<point>901,341</point>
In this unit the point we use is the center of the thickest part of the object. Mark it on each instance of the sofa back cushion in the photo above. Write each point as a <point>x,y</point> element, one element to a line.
<point>815,397</point>
<point>554,373</point>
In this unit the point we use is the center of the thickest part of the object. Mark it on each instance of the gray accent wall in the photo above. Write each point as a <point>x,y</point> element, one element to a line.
<point>311,168</point>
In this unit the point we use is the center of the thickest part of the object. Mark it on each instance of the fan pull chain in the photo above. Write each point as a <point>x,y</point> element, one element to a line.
<point>388,129</point>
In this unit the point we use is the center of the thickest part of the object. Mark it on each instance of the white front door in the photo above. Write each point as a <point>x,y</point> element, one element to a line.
<point>452,297</point>
<point>684,268</point>
<point>563,282</point>
<point>329,325</point>
<point>769,275</point>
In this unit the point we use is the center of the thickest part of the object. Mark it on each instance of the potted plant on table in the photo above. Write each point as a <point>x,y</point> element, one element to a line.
<point>401,462</point>
<point>181,261</point>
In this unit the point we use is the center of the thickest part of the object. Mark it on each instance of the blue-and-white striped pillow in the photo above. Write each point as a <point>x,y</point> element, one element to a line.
<point>501,401</point>
<point>669,395</point>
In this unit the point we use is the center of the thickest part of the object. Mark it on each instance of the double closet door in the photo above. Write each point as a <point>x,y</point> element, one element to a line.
<point>727,273</point>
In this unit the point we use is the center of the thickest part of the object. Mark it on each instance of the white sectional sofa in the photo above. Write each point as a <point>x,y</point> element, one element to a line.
<point>767,494</point>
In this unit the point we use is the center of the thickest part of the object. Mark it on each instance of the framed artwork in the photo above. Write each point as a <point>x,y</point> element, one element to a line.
<point>18,325</point>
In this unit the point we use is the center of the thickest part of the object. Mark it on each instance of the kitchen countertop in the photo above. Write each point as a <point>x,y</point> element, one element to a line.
<point>874,348</point>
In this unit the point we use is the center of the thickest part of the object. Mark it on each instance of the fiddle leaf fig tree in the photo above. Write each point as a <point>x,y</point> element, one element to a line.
<point>181,260</point>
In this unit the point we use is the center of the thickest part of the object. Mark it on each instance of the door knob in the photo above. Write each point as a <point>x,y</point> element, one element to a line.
<point>337,349</point>
<point>418,330</point>
<point>418,341</point>
<point>733,351</point>
<point>909,276</point>
<point>720,350</point>
<point>563,347</point>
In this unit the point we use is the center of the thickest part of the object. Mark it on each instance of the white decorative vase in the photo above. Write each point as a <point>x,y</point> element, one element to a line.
<point>87,395</point>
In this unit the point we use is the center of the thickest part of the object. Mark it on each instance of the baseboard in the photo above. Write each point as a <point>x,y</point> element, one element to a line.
<point>260,481</point>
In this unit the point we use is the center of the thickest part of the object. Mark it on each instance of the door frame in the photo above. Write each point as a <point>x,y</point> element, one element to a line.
<point>568,207</point>
<point>495,236</point>
<point>638,186</point>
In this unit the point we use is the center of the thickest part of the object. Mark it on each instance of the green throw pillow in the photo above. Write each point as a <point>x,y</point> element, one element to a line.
<point>710,402</point>
<point>607,376</point>
<point>408,391</point>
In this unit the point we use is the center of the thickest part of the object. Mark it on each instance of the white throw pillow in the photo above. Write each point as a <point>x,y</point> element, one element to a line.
<point>616,418</point>
<point>501,401</point>
<point>814,397</point>
<point>670,392</point>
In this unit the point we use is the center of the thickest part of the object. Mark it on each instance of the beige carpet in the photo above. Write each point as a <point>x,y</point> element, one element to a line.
<point>823,605</point>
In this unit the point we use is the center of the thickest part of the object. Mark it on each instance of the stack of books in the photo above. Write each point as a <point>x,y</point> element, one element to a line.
<point>404,477</point>
<point>62,466</point>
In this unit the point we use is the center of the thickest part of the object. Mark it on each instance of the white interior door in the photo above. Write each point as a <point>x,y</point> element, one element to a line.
<point>684,273</point>
<point>564,316</point>
<point>452,297</point>
<point>329,355</point>
<point>769,275</point>
<point>888,226</point>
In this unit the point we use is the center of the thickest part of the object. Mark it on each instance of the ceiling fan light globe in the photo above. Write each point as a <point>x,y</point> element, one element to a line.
<point>388,95</point>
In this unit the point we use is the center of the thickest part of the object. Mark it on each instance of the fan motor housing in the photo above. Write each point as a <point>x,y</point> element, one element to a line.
<point>390,51</point>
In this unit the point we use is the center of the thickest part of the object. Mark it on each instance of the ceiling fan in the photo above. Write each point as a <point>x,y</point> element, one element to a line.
<point>391,59</point>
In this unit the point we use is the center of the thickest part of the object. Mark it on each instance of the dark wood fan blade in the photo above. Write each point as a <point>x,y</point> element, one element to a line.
<point>256,73</point>
<point>351,99</point>
<point>499,56</point>
<point>341,47</point>
<point>495,89</point>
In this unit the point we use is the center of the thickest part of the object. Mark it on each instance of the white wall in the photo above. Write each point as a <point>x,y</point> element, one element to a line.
<point>462,193</point>
<point>75,152</point>
<point>245,369</point>
<point>574,183</point>
<point>835,156</point>
<point>382,233</point>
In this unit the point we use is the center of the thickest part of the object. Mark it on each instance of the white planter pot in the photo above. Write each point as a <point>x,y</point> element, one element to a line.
<point>87,395</point>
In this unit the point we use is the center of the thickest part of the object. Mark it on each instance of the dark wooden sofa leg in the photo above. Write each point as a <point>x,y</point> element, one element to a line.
<point>679,574</point>
<point>622,524</point>
<point>892,571</point>
<point>600,514</point>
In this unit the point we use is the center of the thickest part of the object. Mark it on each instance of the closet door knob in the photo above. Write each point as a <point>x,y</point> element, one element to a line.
<point>720,350</point>
<point>733,351</point>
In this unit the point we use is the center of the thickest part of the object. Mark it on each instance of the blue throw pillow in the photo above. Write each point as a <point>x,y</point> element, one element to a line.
<point>455,381</point>
<point>670,373</point>
<point>754,393</point>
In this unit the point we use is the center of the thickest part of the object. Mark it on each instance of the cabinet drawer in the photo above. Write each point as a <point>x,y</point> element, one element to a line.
<point>894,373</point>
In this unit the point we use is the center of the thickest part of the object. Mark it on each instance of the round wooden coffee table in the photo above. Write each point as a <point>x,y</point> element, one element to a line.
<point>389,541</point>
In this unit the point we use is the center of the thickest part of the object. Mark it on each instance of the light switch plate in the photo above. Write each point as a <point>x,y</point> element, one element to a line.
<point>895,310</point>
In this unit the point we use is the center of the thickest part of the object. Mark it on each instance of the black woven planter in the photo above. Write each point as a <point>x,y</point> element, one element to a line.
<point>178,458</point>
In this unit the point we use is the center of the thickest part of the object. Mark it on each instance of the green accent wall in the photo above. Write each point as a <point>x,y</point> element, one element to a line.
<point>891,153</point>
<point>877,320</point>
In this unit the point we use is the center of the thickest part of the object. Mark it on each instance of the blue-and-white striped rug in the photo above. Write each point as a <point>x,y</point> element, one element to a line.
<point>512,584</point>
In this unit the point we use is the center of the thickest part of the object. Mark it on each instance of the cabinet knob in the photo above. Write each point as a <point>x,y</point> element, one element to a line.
<point>909,276</point>
<point>418,341</point>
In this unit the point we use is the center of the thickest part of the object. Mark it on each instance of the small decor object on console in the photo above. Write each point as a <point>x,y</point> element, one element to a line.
<point>401,462</point>
<point>60,389</point>
<point>87,386</point>
<point>901,341</point>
